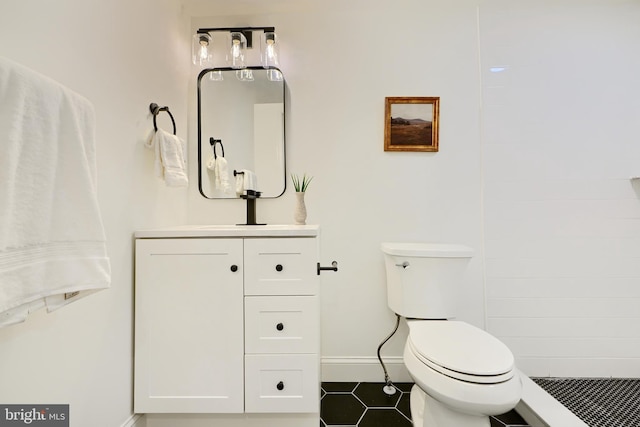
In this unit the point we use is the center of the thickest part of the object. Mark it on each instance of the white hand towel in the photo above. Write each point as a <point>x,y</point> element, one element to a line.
<point>239,184</point>
<point>246,180</point>
<point>220,170</point>
<point>222,174</point>
<point>170,162</point>
<point>52,242</point>
<point>211,164</point>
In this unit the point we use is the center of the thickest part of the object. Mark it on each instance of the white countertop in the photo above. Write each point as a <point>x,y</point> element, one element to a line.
<point>269,230</point>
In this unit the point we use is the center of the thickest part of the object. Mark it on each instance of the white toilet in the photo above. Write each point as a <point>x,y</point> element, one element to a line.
<point>462,374</point>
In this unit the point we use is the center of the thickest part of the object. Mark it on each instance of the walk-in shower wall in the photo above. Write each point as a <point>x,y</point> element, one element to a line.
<point>562,219</point>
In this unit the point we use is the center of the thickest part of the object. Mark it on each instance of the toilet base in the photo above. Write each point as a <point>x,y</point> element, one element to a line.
<point>428,412</point>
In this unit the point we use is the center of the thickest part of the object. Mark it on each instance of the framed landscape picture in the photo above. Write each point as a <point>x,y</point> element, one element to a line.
<point>411,123</point>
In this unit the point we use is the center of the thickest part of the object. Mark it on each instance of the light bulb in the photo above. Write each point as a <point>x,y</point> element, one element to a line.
<point>204,52</point>
<point>235,49</point>
<point>269,50</point>
<point>235,57</point>
<point>200,53</point>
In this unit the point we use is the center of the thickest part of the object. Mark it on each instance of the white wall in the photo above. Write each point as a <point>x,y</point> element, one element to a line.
<point>121,55</point>
<point>533,167</point>
<point>562,218</point>
<point>340,62</point>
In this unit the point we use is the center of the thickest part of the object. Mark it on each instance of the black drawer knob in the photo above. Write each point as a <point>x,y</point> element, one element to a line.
<point>280,386</point>
<point>279,326</point>
<point>234,268</point>
<point>279,267</point>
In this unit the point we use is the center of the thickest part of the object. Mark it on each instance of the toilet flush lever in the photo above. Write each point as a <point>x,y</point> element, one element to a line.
<point>404,265</point>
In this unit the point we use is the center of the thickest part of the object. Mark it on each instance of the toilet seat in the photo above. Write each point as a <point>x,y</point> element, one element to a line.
<point>461,351</point>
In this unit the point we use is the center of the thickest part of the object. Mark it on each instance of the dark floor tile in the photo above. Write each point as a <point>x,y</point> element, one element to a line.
<point>330,387</point>
<point>387,417</point>
<point>341,409</point>
<point>511,418</point>
<point>404,405</point>
<point>372,395</point>
<point>406,387</point>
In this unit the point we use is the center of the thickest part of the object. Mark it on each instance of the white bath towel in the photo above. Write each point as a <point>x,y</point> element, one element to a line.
<point>246,180</point>
<point>52,242</point>
<point>170,159</point>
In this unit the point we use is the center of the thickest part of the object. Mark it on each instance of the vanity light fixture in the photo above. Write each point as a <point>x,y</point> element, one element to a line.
<point>201,53</point>
<point>269,50</point>
<point>216,76</point>
<point>235,57</point>
<point>245,75</point>
<point>269,56</point>
<point>240,39</point>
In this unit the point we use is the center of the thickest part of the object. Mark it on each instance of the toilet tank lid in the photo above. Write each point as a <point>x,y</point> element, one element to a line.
<point>432,250</point>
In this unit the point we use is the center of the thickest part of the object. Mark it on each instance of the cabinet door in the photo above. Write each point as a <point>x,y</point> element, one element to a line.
<point>281,266</point>
<point>189,326</point>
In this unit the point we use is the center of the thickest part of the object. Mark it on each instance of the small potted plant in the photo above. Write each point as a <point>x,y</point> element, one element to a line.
<point>300,185</point>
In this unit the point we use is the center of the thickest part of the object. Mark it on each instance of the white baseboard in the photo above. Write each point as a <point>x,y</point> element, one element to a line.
<point>363,369</point>
<point>135,420</point>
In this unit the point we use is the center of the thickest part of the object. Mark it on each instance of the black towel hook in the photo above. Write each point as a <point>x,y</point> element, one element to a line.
<point>213,143</point>
<point>155,110</point>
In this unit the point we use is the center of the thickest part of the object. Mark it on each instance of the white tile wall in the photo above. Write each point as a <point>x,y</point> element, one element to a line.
<point>560,109</point>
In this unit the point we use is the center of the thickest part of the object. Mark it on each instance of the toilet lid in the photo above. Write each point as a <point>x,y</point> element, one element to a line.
<point>460,350</point>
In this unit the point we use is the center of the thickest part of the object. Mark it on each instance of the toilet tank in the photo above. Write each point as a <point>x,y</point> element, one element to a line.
<point>423,278</point>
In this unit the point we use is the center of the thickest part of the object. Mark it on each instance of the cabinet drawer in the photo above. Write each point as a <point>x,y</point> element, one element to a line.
<point>282,383</point>
<point>286,266</point>
<point>281,324</point>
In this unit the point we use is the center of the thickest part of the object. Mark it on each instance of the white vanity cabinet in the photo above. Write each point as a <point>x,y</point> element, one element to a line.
<point>227,320</point>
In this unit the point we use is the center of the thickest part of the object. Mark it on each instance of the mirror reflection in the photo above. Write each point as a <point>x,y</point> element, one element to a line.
<point>241,130</point>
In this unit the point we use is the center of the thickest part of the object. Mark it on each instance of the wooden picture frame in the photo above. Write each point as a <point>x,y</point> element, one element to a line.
<point>411,123</point>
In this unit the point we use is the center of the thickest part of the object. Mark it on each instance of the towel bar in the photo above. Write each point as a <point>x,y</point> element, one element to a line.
<point>155,110</point>
<point>213,143</point>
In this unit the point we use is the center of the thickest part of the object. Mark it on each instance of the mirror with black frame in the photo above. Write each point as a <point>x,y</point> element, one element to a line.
<point>241,115</point>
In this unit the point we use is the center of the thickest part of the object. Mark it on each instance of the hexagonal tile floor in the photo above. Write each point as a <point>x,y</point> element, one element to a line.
<point>351,404</point>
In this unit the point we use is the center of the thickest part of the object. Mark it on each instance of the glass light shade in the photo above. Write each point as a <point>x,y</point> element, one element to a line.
<point>237,47</point>
<point>270,50</point>
<point>245,75</point>
<point>274,75</point>
<point>201,52</point>
<point>216,76</point>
